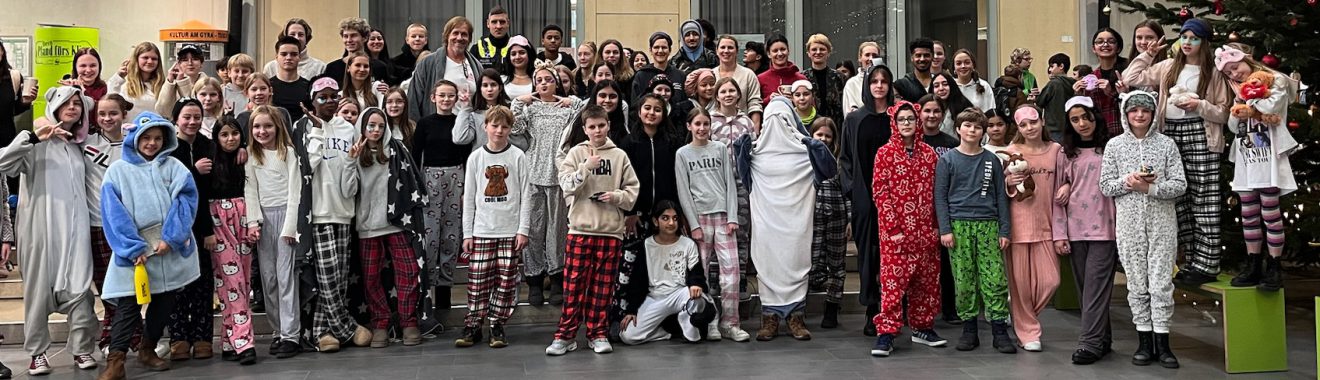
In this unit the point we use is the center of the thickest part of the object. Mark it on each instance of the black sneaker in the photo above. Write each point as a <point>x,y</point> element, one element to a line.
<point>884,343</point>
<point>928,337</point>
<point>471,335</point>
<point>248,357</point>
<point>1084,357</point>
<point>497,337</point>
<point>1002,342</point>
<point>288,349</point>
<point>275,346</point>
<point>1194,278</point>
<point>229,356</point>
<point>970,338</point>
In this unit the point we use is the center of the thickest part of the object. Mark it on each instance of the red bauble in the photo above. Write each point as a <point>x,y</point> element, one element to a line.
<point>1219,6</point>
<point>1184,14</point>
<point>1311,2</point>
<point>1293,125</point>
<point>1270,60</point>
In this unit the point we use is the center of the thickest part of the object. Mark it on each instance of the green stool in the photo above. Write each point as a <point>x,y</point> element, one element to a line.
<point>1255,333</point>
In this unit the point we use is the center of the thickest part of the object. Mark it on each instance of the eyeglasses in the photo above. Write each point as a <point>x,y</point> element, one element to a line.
<point>1109,42</point>
<point>907,120</point>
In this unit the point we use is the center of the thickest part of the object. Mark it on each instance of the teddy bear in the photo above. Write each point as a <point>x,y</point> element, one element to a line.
<point>1179,94</point>
<point>1257,86</point>
<point>1016,164</point>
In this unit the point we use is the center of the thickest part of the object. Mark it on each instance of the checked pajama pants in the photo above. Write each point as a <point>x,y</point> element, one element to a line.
<point>591,264</point>
<point>914,273</point>
<point>331,261</point>
<point>1198,208</point>
<point>493,276</point>
<point>829,244</point>
<point>718,246</point>
<point>406,274</point>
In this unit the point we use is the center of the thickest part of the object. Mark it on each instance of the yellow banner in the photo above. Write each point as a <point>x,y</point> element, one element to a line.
<point>53,48</point>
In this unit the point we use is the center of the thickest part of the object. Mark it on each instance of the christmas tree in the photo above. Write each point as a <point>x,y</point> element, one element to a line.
<point>1285,35</point>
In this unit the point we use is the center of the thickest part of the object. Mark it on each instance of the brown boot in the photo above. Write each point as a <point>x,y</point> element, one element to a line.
<point>202,350</point>
<point>148,358</point>
<point>798,326</point>
<point>769,327</point>
<point>180,351</point>
<point>114,366</point>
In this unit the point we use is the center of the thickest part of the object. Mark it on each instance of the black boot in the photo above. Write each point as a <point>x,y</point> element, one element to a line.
<point>1145,348</point>
<point>1002,343</point>
<point>1167,360</point>
<point>1271,277</point>
<point>1250,276</point>
<point>831,318</point>
<point>970,338</point>
<point>557,289</point>
<point>535,294</point>
<point>869,328</point>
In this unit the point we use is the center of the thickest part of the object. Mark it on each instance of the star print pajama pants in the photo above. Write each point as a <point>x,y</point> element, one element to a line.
<point>332,257</point>
<point>913,272</point>
<point>493,276</point>
<point>444,223</point>
<point>404,260</point>
<point>232,262</point>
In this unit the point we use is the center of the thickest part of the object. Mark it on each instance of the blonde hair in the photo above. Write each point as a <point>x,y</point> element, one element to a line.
<point>455,23</point>
<point>1016,56</point>
<point>351,89</point>
<point>214,84</point>
<point>862,48</point>
<point>356,24</point>
<point>254,79</point>
<point>820,39</point>
<point>281,134</point>
<point>244,61</point>
<point>417,25</point>
<point>135,85</point>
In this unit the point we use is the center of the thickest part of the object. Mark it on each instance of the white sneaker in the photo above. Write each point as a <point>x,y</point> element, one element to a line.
<point>601,346</point>
<point>737,334</point>
<point>713,332</point>
<point>1031,346</point>
<point>84,361</point>
<point>560,347</point>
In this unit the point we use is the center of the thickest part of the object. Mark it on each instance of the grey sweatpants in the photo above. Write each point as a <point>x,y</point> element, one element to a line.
<point>277,275</point>
<point>1093,273</point>
<point>39,302</point>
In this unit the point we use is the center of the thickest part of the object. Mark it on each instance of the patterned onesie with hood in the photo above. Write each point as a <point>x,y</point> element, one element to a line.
<point>1147,224</point>
<point>909,266</point>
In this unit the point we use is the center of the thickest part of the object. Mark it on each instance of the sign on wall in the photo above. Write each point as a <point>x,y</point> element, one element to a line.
<point>54,47</point>
<point>18,50</point>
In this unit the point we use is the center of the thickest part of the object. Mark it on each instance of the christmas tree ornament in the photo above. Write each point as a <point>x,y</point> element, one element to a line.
<point>1293,125</point>
<point>1184,14</point>
<point>1311,2</point>
<point>1234,37</point>
<point>1219,7</point>
<point>1292,19</point>
<point>1106,9</point>
<point>1270,60</point>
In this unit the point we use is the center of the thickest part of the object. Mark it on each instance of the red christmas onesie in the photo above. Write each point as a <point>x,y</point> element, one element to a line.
<point>903,192</point>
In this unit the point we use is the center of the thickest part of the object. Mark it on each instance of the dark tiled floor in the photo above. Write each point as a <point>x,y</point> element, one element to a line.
<point>833,354</point>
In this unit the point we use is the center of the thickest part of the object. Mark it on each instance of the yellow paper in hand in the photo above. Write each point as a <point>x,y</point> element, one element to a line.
<point>141,284</point>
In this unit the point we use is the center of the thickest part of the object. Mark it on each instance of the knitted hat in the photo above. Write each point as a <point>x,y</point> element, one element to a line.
<point>657,81</point>
<point>691,26</point>
<point>659,35</point>
<point>1198,27</point>
<point>1138,98</point>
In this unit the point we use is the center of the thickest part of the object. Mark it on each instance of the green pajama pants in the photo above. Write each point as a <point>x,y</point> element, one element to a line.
<point>978,270</point>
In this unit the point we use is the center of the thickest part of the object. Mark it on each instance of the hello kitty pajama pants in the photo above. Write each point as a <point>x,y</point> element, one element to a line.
<point>232,260</point>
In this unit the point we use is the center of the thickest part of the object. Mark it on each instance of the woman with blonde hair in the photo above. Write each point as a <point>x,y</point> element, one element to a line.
<point>139,78</point>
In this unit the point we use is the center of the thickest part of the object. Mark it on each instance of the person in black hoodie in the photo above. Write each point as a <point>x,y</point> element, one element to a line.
<point>191,331</point>
<point>913,86</point>
<point>552,38</point>
<point>651,147</point>
<point>864,131</point>
<point>661,52</point>
<point>491,49</point>
<point>417,42</point>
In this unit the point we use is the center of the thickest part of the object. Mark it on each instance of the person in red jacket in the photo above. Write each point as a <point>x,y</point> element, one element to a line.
<point>782,72</point>
<point>909,260</point>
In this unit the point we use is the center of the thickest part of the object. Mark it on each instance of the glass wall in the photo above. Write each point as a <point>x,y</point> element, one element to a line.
<point>847,23</point>
<point>950,21</point>
<point>527,17</point>
<point>392,17</point>
<point>743,17</point>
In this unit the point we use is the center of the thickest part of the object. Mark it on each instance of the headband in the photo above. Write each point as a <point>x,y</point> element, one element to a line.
<point>1084,101</point>
<point>1225,55</point>
<point>802,83</point>
<point>1025,113</point>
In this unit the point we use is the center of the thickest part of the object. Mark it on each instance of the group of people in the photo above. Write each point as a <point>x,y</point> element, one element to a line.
<point>634,191</point>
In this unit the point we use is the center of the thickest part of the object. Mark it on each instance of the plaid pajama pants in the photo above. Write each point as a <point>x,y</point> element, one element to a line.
<point>1198,208</point>
<point>493,276</point>
<point>829,244</point>
<point>332,257</point>
<point>719,255</point>
<point>101,255</point>
<point>406,272</point>
<point>591,264</point>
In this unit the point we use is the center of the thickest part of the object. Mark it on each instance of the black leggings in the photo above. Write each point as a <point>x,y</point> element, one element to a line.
<point>128,317</point>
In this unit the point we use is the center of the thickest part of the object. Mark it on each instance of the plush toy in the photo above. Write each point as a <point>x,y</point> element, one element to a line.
<point>1257,86</point>
<point>1016,164</point>
<point>1178,95</point>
